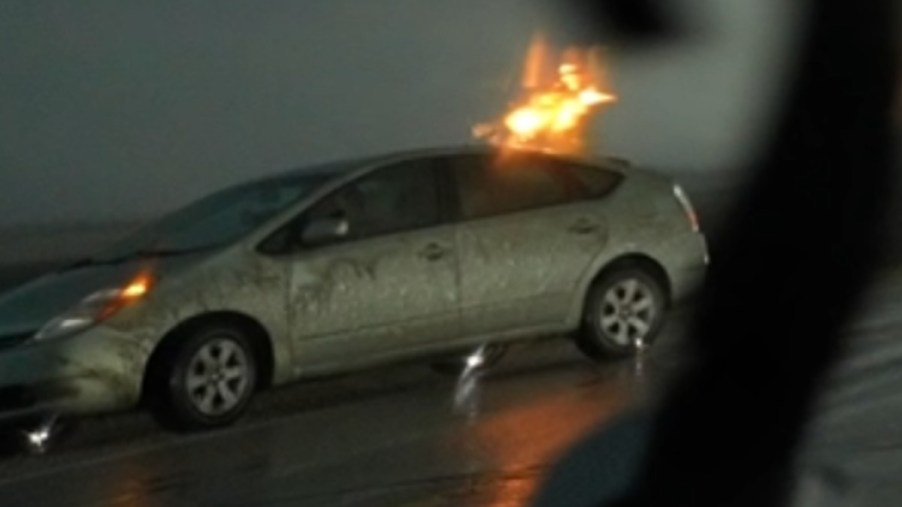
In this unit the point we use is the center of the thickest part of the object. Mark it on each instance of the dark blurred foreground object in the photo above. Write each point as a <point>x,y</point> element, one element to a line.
<point>632,21</point>
<point>802,245</point>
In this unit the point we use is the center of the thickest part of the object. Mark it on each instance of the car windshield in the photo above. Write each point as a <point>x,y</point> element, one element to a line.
<point>217,219</point>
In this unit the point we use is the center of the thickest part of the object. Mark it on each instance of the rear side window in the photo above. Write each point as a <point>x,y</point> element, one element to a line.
<point>495,185</point>
<point>488,186</point>
<point>592,181</point>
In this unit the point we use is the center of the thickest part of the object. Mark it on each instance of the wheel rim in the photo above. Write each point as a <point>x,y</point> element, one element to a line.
<point>218,376</point>
<point>628,312</point>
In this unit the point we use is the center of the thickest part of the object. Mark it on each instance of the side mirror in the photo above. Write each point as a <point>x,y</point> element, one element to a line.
<point>324,230</point>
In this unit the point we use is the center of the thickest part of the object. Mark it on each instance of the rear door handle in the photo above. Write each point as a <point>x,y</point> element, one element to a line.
<point>433,252</point>
<point>583,226</point>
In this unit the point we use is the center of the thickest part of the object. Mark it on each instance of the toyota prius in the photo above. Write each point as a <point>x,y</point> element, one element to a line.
<point>341,266</point>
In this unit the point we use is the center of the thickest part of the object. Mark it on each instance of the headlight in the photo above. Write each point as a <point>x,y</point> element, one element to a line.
<point>94,308</point>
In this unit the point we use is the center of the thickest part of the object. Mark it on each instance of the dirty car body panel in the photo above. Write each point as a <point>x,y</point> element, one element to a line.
<point>526,240</point>
<point>390,286</point>
<point>439,249</point>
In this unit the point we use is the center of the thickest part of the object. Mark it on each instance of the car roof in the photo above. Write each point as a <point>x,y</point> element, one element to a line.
<point>345,166</point>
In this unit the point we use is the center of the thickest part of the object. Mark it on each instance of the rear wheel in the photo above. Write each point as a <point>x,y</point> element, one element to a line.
<point>208,380</point>
<point>624,313</point>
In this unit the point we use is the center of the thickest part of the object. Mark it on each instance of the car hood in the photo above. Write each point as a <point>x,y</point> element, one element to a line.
<point>28,307</point>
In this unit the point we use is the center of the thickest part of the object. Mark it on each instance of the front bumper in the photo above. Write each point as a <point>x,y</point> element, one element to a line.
<point>92,372</point>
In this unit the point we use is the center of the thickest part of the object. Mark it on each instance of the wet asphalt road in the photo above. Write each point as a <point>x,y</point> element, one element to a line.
<point>398,436</point>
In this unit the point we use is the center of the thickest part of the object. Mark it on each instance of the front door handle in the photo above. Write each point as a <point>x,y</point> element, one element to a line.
<point>583,226</point>
<point>433,252</point>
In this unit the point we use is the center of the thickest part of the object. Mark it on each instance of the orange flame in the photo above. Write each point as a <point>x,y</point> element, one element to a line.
<point>553,113</point>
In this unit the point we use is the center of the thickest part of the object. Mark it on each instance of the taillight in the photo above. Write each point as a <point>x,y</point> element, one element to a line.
<point>691,215</point>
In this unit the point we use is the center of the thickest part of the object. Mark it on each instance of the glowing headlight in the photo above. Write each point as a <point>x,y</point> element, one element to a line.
<point>94,308</point>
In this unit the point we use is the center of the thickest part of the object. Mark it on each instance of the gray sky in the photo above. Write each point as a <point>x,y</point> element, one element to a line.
<point>121,110</point>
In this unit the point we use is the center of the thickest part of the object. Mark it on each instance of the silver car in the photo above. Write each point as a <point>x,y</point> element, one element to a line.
<point>344,265</point>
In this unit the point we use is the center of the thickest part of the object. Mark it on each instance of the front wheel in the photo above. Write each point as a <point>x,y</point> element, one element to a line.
<point>623,315</point>
<point>208,380</point>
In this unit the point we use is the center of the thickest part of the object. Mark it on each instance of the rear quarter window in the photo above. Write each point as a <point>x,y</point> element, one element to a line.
<point>588,181</point>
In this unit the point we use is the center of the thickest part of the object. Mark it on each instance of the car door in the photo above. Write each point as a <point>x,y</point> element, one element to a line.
<point>530,229</point>
<point>389,286</point>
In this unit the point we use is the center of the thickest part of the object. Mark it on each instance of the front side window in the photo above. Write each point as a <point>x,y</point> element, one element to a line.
<point>399,197</point>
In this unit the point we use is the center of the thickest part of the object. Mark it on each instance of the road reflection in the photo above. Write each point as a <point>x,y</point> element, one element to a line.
<point>400,436</point>
<point>517,440</point>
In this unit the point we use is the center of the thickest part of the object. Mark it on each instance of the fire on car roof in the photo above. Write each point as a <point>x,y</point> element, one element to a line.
<point>556,104</point>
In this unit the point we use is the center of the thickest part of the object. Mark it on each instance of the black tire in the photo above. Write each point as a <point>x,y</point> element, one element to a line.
<point>612,316</point>
<point>207,380</point>
<point>455,365</point>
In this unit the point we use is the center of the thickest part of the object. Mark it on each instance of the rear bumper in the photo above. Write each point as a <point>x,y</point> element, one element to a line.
<point>89,373</point>
<point>688,284</point>
<point>688,275</point>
